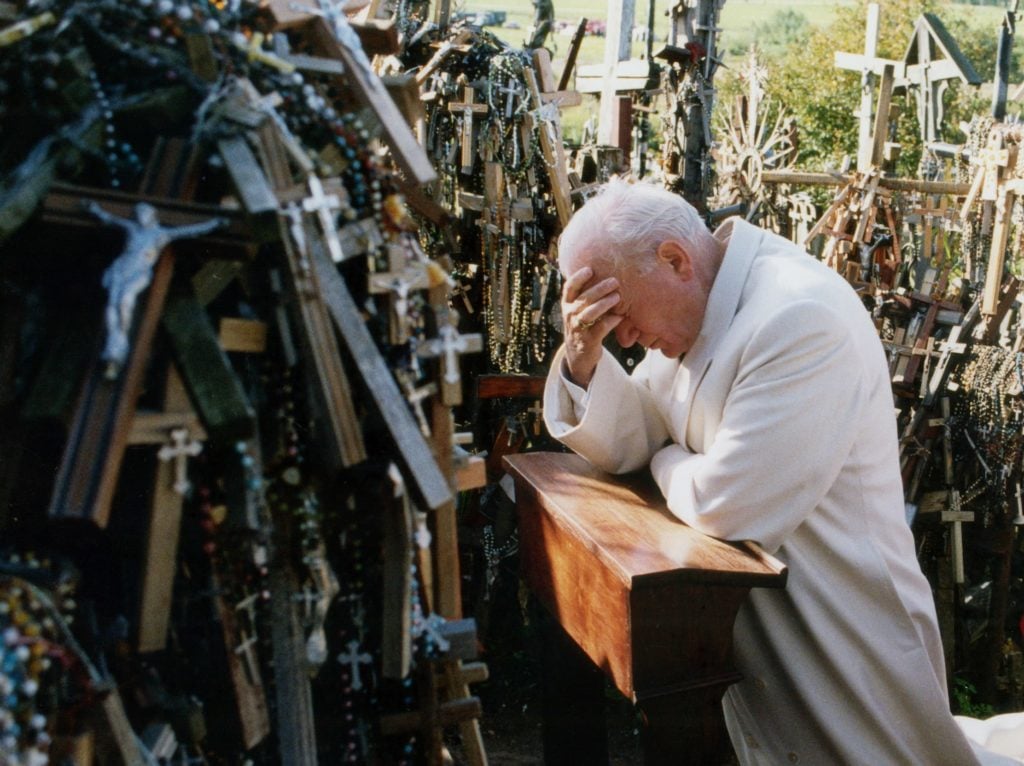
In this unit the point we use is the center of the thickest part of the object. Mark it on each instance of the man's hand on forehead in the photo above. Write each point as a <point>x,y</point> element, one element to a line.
<point>586,304</point>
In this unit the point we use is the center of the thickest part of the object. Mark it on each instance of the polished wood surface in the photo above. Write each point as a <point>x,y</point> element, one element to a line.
<point>650,600</point>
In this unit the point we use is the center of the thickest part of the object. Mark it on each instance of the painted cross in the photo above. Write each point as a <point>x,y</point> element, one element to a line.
<point>324,205</point>
<point>354,658</point>
<point>468,109</point>
<point>180,450</point>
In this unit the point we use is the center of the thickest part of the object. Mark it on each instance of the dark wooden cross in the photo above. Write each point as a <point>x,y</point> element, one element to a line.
<point>467,109</point>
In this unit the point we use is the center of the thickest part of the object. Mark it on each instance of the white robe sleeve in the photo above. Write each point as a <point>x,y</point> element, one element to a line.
<point>620,427</point>
<point>788,425</point>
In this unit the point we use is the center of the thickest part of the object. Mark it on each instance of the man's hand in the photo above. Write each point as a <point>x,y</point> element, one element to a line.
<point>585,307</point>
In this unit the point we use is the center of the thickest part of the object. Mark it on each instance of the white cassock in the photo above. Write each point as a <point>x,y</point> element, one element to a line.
<point>780,428</point>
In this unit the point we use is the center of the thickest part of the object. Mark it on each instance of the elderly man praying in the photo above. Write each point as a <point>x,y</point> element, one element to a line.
<point>764,410</point>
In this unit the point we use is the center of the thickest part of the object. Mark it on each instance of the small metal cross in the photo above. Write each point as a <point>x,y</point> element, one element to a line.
<point>354,659</point>
<point>180,450</point>
<point>450,344</point>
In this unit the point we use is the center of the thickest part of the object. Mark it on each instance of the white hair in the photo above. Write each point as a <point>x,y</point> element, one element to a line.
<point>626,222</point>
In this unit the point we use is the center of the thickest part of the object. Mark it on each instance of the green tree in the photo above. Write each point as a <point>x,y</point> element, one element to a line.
<point>785,28</point>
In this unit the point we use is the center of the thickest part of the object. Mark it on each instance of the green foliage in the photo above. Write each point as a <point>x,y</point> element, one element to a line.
<point>824,98</point>
<point>963,700</point>
<point>785,28</point>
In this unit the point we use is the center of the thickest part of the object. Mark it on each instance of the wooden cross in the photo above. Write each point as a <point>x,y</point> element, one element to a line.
<point>868,65</point>
<point>354,658</point>
<point>180,450</point>
<point>243,668</point>
<point>928,76</point>
<point>468,109</point>
<point>371,93</point>
<point>553,150</point>
<point>447,347</point>
<point>405,274</point>
<point>161,543</point>
<point>324,206</point>
<point>955,515</point>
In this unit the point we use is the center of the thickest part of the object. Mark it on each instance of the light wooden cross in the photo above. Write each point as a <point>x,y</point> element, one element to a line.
<point>354,658</point>
<point>180,450</point>
<point>868,64</point>
<point>324,206</point>
<point>468,109</point>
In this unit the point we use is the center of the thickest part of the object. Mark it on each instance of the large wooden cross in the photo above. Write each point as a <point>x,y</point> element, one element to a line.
<point>932,60</point>
<point>868,64</point>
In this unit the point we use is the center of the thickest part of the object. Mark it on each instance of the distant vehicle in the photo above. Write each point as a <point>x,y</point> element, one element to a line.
<point>511,25</point>
<point>595,27</point>
<point>490,18</point>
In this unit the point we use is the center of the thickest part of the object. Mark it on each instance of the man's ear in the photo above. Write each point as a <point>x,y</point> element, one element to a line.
<point>678,257</point>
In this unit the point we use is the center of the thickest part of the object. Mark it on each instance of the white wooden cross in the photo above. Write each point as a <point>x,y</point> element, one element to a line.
<point>324,206</point>
<point>180,450</point>
<point>869,65</point>
<point>448,345</point>
<point>354,658</point>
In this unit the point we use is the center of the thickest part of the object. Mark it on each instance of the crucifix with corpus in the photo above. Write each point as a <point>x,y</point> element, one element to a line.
<point>468,109</point>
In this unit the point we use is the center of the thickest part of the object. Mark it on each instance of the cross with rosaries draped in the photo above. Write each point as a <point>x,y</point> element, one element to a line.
<point>325,205</point>
<point>468,109</point>
<point>869,65</point>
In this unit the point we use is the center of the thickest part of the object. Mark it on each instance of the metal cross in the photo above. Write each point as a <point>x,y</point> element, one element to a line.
<point>512,91</point>
<point>324,205</point>
<point>354,658</point>
<point>180,450</point>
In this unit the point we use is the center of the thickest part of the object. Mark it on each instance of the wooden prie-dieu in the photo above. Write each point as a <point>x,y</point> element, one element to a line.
<point>650,601</point>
